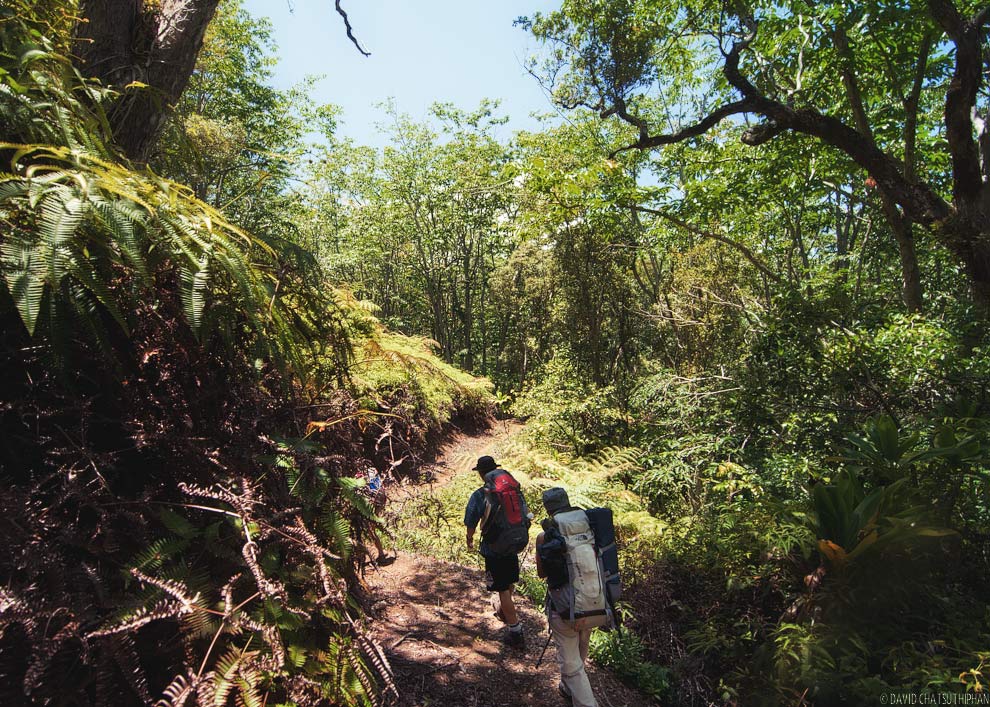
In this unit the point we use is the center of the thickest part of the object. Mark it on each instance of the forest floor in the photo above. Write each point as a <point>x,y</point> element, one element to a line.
<point>437,625</point>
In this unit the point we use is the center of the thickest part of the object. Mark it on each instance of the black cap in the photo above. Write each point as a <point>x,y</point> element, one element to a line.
<point>485,464</point>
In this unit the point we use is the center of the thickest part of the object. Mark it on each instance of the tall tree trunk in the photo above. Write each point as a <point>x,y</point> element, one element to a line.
<point>468,318</point>
<point>902,228</point>
<point>128,42</point>
<point>900,225</point>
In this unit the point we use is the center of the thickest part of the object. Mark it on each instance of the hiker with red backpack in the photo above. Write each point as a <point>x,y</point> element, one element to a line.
<point>501,510</point>
<point>577,555</point>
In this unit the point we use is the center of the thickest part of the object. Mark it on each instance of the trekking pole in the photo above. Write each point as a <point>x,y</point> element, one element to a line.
<point>545,646</point>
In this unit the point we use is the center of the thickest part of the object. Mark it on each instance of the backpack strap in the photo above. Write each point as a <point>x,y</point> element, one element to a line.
<point>486,514</point>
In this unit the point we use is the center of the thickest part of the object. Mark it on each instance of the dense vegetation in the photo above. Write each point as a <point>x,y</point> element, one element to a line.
<point>740,294</point>
<point>189,402</point>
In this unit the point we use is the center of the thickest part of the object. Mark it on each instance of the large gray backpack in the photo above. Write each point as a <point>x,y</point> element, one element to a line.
<point>586,592</point>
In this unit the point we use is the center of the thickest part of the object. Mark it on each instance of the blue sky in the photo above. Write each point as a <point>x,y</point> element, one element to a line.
<point>421,52</point>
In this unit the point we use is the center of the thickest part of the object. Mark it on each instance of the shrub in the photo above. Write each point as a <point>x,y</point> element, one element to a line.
<point>621,651</point>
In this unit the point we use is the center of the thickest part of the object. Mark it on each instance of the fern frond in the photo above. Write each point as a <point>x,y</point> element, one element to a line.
<point>24,274</point>
<point>338,530</point>
<point>126,656</point>
<point>175,589</point>
<point>164,609</point>
<point>193,281</point>
<point>178,691</point>
<point>124,220</point>
<point>248,694</point>
<point>224,674</point>
<point>159,552</point>
<point>351,491</point>
<point>362,677</point>
<point>178,524</point>
<point>379,662</point>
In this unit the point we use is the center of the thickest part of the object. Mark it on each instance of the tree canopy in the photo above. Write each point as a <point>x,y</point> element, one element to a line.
<point>910,96</point>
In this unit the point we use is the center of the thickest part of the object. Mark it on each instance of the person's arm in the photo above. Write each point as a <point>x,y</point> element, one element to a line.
<point>472,514</point>
<point>539,565</point>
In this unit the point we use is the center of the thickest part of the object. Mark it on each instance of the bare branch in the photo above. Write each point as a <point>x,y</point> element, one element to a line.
<point>746,252</point>
<point>350,30</point>
<point>647,141</point>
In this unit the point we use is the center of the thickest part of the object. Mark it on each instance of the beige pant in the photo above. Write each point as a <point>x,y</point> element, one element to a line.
<point>571,639</point>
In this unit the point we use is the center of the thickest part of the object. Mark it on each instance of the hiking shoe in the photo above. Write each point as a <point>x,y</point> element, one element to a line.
<point>515,639</point>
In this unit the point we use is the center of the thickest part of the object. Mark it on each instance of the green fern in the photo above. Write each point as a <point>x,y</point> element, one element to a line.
<point>351,489</point>
<point>158,553</point>
<point>225,674</point>
<point>75,216</point>
<point>348,679</point>
<point>338,530</point>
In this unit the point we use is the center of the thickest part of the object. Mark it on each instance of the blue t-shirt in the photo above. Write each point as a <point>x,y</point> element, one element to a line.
<point>473,514</point>
<point>476,510</point>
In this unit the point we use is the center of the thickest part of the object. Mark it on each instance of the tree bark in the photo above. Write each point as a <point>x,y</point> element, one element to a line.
<point>128,42</point>
<point>911,291</point>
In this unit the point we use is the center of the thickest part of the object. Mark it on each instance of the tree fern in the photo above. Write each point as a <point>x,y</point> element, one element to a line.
<point>89,245</point>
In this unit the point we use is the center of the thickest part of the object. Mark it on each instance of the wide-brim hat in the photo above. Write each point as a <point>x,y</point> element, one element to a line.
<point>485,464</point>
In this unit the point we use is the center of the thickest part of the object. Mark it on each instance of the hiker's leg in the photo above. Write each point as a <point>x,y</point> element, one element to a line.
<point>508,607</point>
<point>572,673</point>
<point>584,639</point>
<point>504,573</point>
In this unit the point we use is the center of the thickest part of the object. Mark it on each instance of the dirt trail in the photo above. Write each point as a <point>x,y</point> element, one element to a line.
<point>436,623</point>
<point>462,450</point>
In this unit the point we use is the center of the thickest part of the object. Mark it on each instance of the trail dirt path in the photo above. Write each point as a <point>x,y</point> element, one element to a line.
<point>436,622</point>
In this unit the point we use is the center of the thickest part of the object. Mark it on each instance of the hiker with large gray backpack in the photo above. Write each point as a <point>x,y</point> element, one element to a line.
<point>577,555</point>
<point>500,508</point>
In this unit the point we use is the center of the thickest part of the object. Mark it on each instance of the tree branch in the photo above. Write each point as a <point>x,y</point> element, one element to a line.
<point>746,252</point>
<point>647,141</point>
<point>350,30</point>
<point>911,105</point>
<point>920,201</point>
<point>849,81</point>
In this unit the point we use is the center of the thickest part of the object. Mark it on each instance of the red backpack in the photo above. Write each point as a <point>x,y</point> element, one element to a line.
<point>505,526</point>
